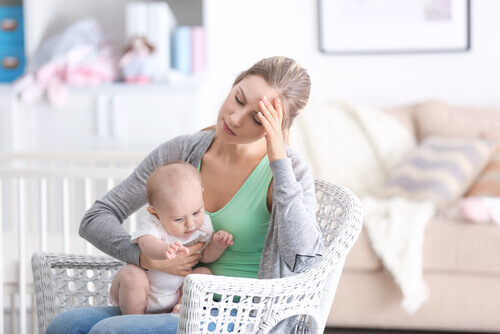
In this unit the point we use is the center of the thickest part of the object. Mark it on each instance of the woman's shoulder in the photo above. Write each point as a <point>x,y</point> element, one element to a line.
<point>191,138</point>
<point>187,147</point>
<point>185,144</point>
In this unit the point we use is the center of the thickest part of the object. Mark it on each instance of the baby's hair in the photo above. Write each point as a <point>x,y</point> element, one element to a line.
<point>173,175</point>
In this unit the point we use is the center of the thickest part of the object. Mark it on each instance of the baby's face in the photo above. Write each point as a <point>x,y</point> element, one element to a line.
<point>183,215</point>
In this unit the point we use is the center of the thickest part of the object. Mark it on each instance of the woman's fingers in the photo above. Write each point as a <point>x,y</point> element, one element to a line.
<point>279,109</point>
<point>192,258</point>
<point>185,263</point>
<point>196,247</point>
<point>179,265</point>
<point>265,123</point>
<point>271,118</point>
<point>270,114</point>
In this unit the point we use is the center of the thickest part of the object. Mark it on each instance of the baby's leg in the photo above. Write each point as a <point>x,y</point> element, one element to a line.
<point>130,289</point>
<point>199,270</point>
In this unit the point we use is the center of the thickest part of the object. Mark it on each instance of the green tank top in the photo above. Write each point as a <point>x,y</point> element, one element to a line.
<point>246,217</point>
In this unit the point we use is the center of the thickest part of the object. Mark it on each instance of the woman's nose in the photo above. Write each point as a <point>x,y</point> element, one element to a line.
<point>236,118</point>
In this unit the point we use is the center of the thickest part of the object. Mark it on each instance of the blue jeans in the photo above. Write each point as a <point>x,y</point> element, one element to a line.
<point>109,319</point>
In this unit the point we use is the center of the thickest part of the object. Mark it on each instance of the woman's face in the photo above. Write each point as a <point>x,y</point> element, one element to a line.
<point>238,122</point>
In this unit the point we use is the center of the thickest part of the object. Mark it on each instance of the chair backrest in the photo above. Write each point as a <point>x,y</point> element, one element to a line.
<point>340,217</point>
<point>266,303</point>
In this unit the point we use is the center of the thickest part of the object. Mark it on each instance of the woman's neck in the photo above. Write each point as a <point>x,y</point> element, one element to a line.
<point>233,153</point>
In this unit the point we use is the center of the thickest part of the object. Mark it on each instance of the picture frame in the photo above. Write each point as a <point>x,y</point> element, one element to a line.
<point>393,26</point>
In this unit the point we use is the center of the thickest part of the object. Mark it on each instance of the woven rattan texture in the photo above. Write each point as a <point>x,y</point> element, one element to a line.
<point>218,304</point>
<point>65,281</point>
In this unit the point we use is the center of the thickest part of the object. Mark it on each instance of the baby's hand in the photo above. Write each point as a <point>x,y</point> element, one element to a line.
<point>174,249</point>
<point>223,239</point>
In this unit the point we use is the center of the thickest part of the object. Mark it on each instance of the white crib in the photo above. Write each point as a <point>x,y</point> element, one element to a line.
<point>42,200</point>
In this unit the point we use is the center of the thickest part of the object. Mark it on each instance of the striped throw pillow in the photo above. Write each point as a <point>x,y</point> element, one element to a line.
<point>439,169</point>
<point>488,183</point>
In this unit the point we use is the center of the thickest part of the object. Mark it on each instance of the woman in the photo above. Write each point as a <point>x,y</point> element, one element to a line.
<point>256,188</point>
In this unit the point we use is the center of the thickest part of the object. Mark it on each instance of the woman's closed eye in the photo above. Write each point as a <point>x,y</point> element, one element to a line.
<point>254,119</point>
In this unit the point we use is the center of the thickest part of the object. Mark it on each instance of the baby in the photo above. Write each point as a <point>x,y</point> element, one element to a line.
<point>177,220</point>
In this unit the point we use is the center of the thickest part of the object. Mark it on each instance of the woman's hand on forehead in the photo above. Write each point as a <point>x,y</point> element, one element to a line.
<point>271,117</point>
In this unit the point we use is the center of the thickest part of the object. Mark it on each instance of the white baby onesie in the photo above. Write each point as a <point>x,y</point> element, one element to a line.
<point>163,294</point>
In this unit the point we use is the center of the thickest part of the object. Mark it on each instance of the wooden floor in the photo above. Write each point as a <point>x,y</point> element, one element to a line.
<point>383,331</point>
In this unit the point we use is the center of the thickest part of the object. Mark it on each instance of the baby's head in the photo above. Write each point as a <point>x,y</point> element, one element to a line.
<point>175,196</point>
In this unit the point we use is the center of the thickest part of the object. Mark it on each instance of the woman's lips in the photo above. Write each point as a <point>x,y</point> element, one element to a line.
<point>227,129</point>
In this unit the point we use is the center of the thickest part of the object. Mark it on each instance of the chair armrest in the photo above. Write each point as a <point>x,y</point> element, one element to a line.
<point>264,303</point>
<point>74,260</point>
<point>65,281</point>
<point>244,302</point>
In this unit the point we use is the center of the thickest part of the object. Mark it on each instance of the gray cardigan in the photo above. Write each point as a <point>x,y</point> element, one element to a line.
<point>293,241</point>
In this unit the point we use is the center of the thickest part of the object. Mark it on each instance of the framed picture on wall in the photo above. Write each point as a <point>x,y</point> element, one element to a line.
<point>393,26</point>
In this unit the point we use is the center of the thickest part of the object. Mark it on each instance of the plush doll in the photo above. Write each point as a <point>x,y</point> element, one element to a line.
<point>136,64</point>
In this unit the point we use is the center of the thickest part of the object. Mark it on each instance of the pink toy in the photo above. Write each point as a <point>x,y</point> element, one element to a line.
<point>76,56</point>
<point>480,209</point>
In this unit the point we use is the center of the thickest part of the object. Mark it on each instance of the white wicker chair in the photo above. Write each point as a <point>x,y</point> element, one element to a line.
<point>217,304</point>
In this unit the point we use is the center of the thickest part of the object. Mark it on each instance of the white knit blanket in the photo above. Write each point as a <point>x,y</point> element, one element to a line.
<point>396,229</point>
<point>395,226</point>
<point>357,146</point>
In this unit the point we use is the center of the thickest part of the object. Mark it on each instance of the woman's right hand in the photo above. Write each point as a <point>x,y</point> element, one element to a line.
<point>179,266</point>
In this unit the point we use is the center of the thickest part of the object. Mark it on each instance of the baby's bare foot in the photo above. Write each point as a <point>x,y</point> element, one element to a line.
<point>177,308</point>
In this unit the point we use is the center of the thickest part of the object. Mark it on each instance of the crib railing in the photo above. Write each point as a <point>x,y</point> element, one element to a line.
<point>42,200</point>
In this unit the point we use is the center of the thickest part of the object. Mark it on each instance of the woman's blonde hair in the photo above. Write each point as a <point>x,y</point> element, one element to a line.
<point>291,81</point>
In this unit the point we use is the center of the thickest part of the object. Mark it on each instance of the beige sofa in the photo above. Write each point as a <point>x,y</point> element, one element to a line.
<point>461,260</point>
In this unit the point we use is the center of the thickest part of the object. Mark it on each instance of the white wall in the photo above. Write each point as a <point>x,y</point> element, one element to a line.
<point>242,32</point>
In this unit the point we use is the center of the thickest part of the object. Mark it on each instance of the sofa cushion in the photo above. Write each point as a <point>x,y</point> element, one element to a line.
<point>404,114</point>
<point>458,304</point>
<point>450,246</point>
<point>439,169</point>
<point>443,119</point>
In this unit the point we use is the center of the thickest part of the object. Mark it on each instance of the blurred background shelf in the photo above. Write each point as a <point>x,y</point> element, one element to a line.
<point>187,86</point>
<point>44,18</point>
<point>109,116</point>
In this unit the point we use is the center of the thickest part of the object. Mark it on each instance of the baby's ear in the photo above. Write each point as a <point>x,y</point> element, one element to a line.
<point>152,211</point>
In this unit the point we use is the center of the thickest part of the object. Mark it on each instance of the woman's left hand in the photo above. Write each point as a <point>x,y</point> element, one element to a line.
<point>271,117</point>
